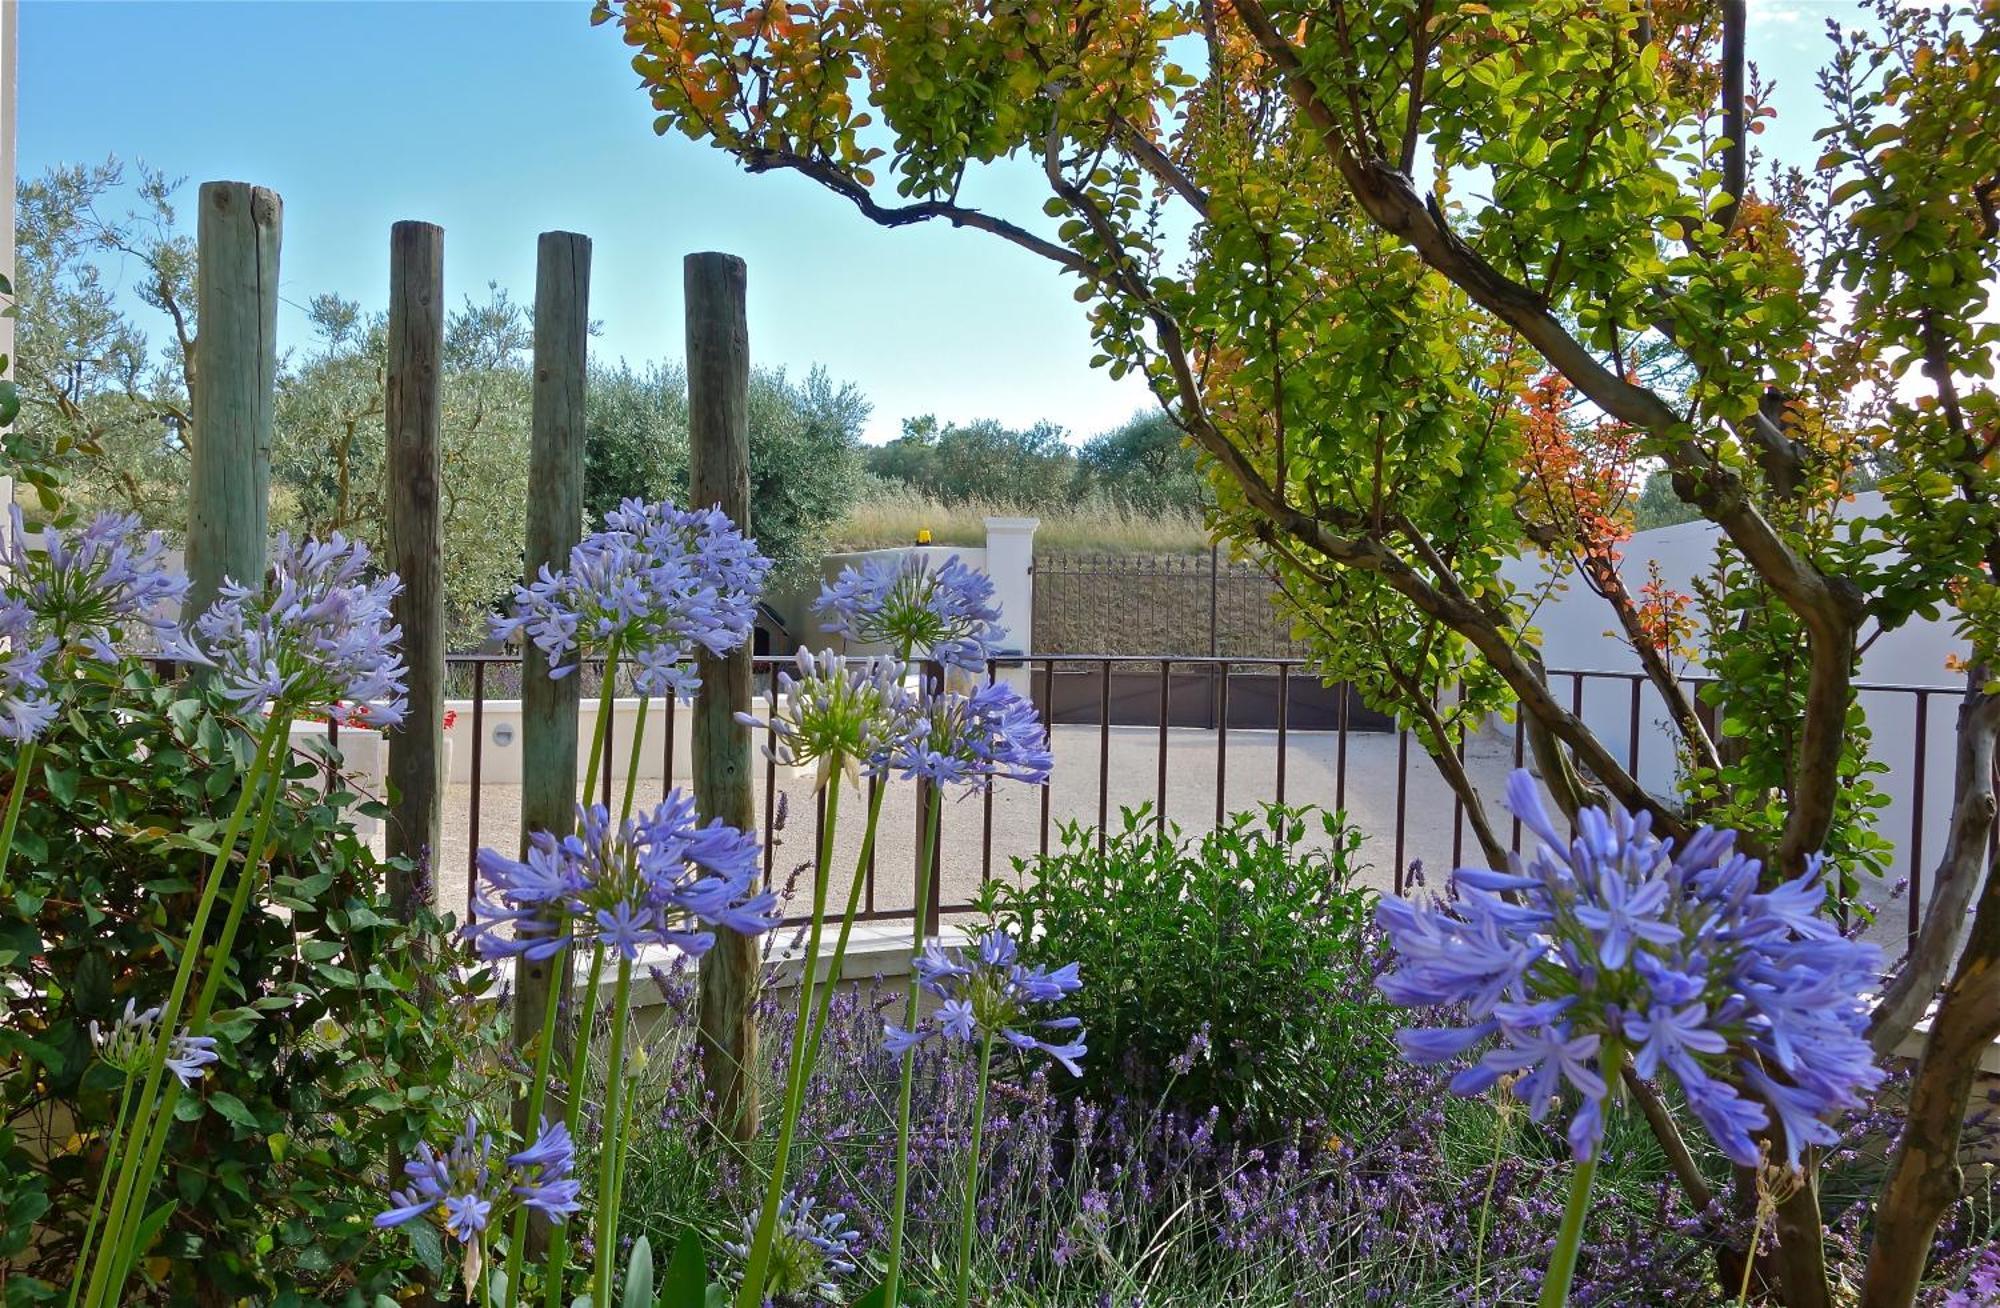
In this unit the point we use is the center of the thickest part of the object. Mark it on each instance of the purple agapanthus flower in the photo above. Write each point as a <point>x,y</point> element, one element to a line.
<point>316,636</point>
<point>809,1248</point>
<point>126,1042</point>
<point>837,713</point>
<point>992,993</point>
<point>663,878</point>
<point>1746,998</point>
<point>916,611</point>
<point>1982,1283</point>
<point>188,1054</point>
<point>26,708</point>
<point>958,739</point>
<point>98,584</point>
<point>659,582</point>
<point>464,1188</point>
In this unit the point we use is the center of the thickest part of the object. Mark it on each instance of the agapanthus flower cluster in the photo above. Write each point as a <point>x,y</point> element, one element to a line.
<point>662,878</point>
<point>316,637</point>
<point>1618,941</point>
<point>657,582</point>
<point>810,1248</point>
<point>993,994</point>
<point>26,708</point>
<point>917,611</point>
<point>92,586</point>
<point>1982,1283</point>
<point>129,1042</point>
<point>952,739</point>
<point>464,1188</point>
<point>836,712</point>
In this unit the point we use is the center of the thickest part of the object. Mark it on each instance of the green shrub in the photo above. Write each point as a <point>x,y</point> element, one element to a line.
<point>338,1032</point>
<point>1232,972</point>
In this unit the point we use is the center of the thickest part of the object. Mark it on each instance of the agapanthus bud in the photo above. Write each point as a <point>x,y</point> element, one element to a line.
<point>836,712</point>
<point>127,1043</point>
<point>809,1248</point>
<point>468,1193</point>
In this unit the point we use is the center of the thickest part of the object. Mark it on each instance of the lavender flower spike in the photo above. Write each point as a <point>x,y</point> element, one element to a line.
<point>1747,998</point>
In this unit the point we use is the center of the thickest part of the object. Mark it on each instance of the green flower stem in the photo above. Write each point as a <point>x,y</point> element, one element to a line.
<point>612,1143</point>
<point>538,1084</point>
<point>1500,1134</point>
<point>103,1186</point>
<point>1562,1266</point>
<point>752,1293</point>
<point>967,1225</point>
<point>24,763</point>
<point>892,1281</point>
<point>579,1069</point>
<point>632,763</point>
<point>131,1149</point>
<point>197,1022</point>
<point>846,926</point>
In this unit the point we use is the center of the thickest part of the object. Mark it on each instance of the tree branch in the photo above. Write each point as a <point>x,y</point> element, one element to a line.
<point>1735,155</point>
<point>763,160</point>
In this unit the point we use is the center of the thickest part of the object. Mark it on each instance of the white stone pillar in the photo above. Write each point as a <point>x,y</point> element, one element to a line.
<point>1010,561</point>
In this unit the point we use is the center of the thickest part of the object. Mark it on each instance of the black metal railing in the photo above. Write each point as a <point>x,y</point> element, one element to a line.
<point>1157,730</point>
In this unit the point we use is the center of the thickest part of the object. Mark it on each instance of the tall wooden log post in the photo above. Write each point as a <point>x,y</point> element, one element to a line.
<point>413,411</point>
<point>237,233</point>
<point>555,524</point>
<point>718,375</point>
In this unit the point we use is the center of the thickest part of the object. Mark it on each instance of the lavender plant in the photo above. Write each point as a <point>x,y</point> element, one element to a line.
<point>990,996</point>
<point>316,636</point>
<point>1617,944</point>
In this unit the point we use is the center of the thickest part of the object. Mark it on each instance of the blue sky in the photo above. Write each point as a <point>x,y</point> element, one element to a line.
<point>502,120</point>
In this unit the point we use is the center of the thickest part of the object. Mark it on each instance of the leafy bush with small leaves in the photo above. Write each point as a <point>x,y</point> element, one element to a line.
<point>1231,972</point>
<point>340,1029</point>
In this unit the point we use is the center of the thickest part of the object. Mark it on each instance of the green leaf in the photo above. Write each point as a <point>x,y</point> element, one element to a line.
<point>687,1275</point>
<point>875,1298</point>
<point>639,1275</point>
<point>233,1109</point>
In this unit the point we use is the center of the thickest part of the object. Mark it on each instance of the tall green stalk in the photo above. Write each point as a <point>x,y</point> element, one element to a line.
<point>752,1293</point>
<point>612,1142</point>
<point>893,1280</point>
<point>839,957</point>
<point>128,1193</point>
<point>967,1224</point>
<point>579,1070</point>
<point>538,1084</point>
<point>103,1185</point>
<point>1562,1265</point>
<point>24,763</point>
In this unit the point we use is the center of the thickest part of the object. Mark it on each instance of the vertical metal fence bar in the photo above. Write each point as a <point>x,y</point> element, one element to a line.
<point>770,812</point>
<point>986,830</point>
<point>868,873</point>
<point>472,800</point>
<point>1284,716</point>
<point>1402,800</point>
<point>1520,752</point>
<point>667,752</point>
<point>1222,745</point>
<point>1103,755</point>
<point>1340,753</point>
<point>934,901</point>
<point>1632,729</point>
<point>1160,784</point>
<point>1916,888</point>
<point>610,732</point>
<point>1048,714</point>
<point>1457,800</point>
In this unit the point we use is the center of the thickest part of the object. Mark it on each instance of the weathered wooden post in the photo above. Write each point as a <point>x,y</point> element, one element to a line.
<point>555,524</point>
<point>237,234</point>
<point>413,411</point>
<point>718,374</point>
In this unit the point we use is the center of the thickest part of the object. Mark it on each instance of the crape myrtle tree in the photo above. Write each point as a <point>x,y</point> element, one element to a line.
<point>1418,278</point>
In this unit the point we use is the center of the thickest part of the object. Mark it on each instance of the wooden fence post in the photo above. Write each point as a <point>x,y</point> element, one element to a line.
<point>718,377</point>
<point>555,524</point>
<point>238,231</point>
<point>414,465</point>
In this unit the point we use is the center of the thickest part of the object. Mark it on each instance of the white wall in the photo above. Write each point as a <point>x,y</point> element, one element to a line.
<point>1575,626</point>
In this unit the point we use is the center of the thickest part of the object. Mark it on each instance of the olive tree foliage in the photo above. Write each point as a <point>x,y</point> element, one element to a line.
<point>805,435</point>
<point>327,451</point>
<point>1405,217</point>
<point>95,393</point>
<point>1146,465</point>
